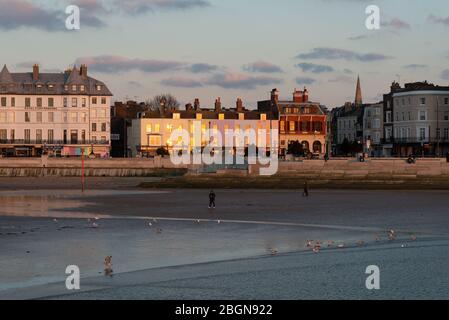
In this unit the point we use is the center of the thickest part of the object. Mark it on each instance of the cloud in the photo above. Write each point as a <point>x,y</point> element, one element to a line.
<point>135,84</point>
<point>304,80</point>
<point>341,54</point>
<point>118,64</point>
<point>137,7</point>
<point>434,19</point>
<point>262,67</point>
<point>415,66</point>
<point>202,68</point>
<point>342,79</point>
<point>16,14</point>
<point>445,74</point>
<point>359,37</point>
<point>241,81</point>
<point>181,82</point>
<point>314,68</point>
<point>396,23</point>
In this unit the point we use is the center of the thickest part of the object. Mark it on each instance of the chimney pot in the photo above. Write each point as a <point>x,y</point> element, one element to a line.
<point>35,72</point>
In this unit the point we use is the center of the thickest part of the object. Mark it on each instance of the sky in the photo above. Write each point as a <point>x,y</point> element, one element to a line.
<point>233,48</point>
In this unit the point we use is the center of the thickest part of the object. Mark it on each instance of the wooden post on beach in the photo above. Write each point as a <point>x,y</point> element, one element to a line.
<point>82,170</point>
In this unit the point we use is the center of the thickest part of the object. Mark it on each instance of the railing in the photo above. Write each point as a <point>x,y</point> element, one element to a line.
<point>53,142</point>
<point>418,140</point>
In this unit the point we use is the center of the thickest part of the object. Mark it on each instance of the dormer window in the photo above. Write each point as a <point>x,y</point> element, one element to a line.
<point>73,87</point>
<point>241,116</point>
<point>176,116</point>
<point>221,116</point>
<point>66,88</point>
<point>98,87</point>
<point>263,117</point>
<point>82,88</point>
<point>50,87</point>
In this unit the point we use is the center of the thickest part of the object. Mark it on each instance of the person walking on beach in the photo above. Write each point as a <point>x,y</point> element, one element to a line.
<point>212,199</point>
<point>306,190</point>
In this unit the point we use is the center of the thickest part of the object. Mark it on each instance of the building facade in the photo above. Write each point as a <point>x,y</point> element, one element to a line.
<point>153,131</point>
<point>63,114</point>
<point>299,120</point>
<point>420,118</point>
<point>373,129</point>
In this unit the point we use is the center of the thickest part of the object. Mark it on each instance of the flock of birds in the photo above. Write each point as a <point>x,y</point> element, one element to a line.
<point>315,246</point>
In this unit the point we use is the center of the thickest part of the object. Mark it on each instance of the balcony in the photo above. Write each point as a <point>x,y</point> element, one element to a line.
<point>414,140</point>
<point>51,142</point>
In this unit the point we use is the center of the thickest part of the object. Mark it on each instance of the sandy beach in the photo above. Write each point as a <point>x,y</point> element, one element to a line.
<point>250,247</point>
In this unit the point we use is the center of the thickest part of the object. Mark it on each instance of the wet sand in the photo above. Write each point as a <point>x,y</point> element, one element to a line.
<point>229,253</point>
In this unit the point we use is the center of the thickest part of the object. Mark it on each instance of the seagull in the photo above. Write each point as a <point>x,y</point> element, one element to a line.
<point>218,221</point>
<point>316,249</point>
<point>94,225</point>
<point>96,218</point>
<point>55,220</point>
<point>309,243</point>
<point>341,245</point>
<point>273,252</point>
<point>150,224</point>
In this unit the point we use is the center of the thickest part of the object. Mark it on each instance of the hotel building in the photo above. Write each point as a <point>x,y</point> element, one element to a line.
<point>56,113</point>
<point>154,129</point>
<point>299,120</point>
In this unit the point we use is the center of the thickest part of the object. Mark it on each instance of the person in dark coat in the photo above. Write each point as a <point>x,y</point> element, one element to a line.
<point>306,189</point>
<point>212,199</point>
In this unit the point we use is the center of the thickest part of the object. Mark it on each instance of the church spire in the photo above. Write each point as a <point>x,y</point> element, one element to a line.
<point>358,93</point>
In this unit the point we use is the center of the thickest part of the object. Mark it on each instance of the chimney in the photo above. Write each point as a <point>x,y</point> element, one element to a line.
<point>274,96</point>
<point>189,107</point>
<point>35,72</point>
<point>305,95</point>
<point>298,96</point>
<point>239,105</point>
<point>196,104</point>
<point>83,71</point>
<point>218,105</point>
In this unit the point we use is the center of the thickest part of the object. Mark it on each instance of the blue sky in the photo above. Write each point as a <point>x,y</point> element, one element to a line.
<point>233,48</point>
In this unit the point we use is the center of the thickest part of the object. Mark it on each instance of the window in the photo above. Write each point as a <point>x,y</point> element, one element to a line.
<point>94,127</point>
<point>73,117</point>
<point>148,128</point>
<point>51,102</point>
<point>397,116</point>
<point>199,116</point>
<point>438,134</point>
<point>241,116</point>
<point>82,88</point>
<point>27,135</point>
<point>74,136</point>
<point>98,87</point>
<point>13,102</point>
<point>66,87</point>
<point>154,141</point>
<point>39,102</point>
<point>291,126</point>
<point>65,116</point>
<point>103,113</point>
<point>157,127</point>
<point>50,136</point>
<point>263,117</point>
<point>388,116</point>
<point>446,115</point>
<point>74,87</point>
<point>3,116</point>
<point>27,117</point>
<point>422,115</point>
<point>3,102</point>
<point>39,117</point>
<point>51,117</point>
<point>84,117</point>
<point>423,101</point>
<point>83,102</point>
<point>65,103</point>
<point>94,139</point>
<point>13,134</point>
<point>94,100</point>
<point>64,136</point>
<point>422,134</point>
<point>74,102</point>
<point>446,101</point>
<point>38,135</point>
<point>282,126</point>
<point>83,136</point>
<point>27,102</point>
<point>103,127</point>
<point>103,139</point>
<point>446,133</point>
<point>103,100</point>
<point>221,116</point>
<point>409,116</point>
<point>403,116</point>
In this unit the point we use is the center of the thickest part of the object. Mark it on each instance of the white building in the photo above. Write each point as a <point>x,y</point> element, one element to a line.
<point>59,113</point>
<point>373,129</point>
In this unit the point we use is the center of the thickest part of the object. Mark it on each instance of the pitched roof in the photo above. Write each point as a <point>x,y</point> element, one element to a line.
<point>24,83</point>
<point>5,76</point>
